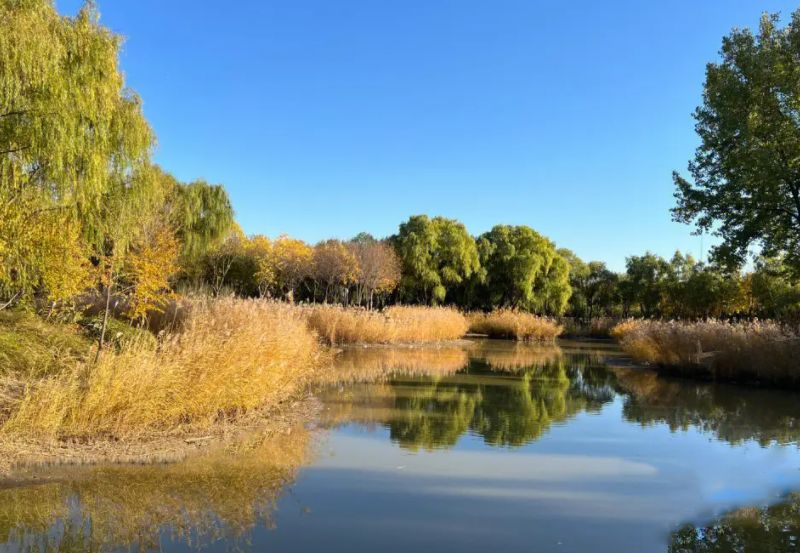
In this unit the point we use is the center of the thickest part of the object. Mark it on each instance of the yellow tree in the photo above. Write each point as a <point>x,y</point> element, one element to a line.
<point>149,265</point>
<point>259,249</point>
<point>292,262</point>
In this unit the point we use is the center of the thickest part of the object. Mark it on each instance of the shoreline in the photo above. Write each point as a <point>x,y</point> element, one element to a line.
<point>24,462</point>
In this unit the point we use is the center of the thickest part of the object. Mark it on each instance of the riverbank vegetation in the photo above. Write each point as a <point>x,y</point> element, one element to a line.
<point>394,325</point>
<point>515,325</point>
<point>231,358</point>
<point>755,351</point>
<point>133,304</point>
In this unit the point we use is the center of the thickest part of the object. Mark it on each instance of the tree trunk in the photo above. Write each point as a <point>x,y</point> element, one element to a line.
<point>102,340</point>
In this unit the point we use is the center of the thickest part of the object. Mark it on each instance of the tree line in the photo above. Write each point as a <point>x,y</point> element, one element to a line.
<point>84,209</point>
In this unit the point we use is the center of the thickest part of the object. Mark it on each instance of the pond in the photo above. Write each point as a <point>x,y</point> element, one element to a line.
<point>485,446</point>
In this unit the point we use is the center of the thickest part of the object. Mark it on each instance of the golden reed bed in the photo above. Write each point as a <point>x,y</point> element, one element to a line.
<point>394,325</point>
<point>761,350</point>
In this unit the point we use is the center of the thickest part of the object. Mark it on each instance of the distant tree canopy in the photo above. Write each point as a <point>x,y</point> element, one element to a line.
<point>523,270</point>
<point>435,254</point>
<point>746,171</point>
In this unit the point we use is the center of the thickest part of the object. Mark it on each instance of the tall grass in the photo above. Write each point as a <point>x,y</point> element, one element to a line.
<point>232,356</point>
<point>760,350</point>
<point>31,347</point>
<point>394,325</point>
<point>514,324</point>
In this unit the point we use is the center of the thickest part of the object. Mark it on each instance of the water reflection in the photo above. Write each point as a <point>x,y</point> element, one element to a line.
<point>731,413</point>
<point>772,529</point>
<point>218,496</point>
<point>542,448</point>
<point>508,396</point>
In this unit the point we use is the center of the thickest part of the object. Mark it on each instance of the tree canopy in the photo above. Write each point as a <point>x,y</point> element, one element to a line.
<point>436,254</point>
<point>746,171</point>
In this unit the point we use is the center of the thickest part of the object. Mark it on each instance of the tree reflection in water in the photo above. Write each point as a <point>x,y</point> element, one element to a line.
<point>221,495</point>
<point>773,529</point>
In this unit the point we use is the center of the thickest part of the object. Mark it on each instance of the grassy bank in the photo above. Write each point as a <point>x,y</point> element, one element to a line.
<point>395,325</point>
<point>231,357</point>
<point>750,351</point>
<point>515,325</point>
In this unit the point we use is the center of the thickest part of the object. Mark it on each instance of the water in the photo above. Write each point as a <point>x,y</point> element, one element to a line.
<point>489,447</point>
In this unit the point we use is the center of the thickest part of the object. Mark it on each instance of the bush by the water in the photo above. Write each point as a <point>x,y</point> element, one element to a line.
<point>515,325</point>
<point>759,350</point>
<point>232,356</point>
<point>394,325</point>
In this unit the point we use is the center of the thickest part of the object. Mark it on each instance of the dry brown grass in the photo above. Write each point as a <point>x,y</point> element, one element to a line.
<point>515,325</point>
<point>394,325</point>
<point>233,356</point>
<point>760,350</point>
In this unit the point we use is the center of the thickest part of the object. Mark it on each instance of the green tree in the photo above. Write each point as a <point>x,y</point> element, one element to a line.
<point>524,270</point>
<point>202,215</point>
<point>645,282</point>
<point>746,171</point>
<point>435,254</point>
<point>73,142</point>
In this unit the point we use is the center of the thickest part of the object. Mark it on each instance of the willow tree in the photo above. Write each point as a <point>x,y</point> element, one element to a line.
<point>436,254</point>
<point>202,215</point>
<point>73,147</point>
<point>524,270</point>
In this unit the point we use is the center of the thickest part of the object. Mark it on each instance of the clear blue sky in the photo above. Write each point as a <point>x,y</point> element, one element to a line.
<point>325,118</point>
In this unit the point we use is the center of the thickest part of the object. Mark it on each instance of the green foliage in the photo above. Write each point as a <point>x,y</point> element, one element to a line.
<point>436,254</point>
<point>523,270</point>
<point>747,169</point>
<point>73,144</point>
<point>202,215</point>
<point>775,293</point>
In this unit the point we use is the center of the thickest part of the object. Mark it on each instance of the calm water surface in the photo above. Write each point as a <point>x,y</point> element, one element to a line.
<point>488,447</point>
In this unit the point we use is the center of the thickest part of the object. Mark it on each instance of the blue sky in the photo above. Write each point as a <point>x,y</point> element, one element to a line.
<point>325,118</point>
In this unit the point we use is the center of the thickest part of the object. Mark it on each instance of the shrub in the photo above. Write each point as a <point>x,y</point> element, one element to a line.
<point>516,325</point>
<point>394,325</point>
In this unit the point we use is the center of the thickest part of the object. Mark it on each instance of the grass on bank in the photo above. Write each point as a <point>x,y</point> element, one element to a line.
<point>32,347</point>
<point>232,356</point>
<point>762,351</point>
<point>515,325</point>
<point>338,325</point>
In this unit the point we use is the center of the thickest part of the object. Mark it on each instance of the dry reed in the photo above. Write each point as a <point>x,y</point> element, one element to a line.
<point>516,325</point>
<point>233,356</point>
<point>394,325</point>
<point>759,350</point>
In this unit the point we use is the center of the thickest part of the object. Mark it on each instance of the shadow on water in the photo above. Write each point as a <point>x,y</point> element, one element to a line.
<point>501,394</point>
